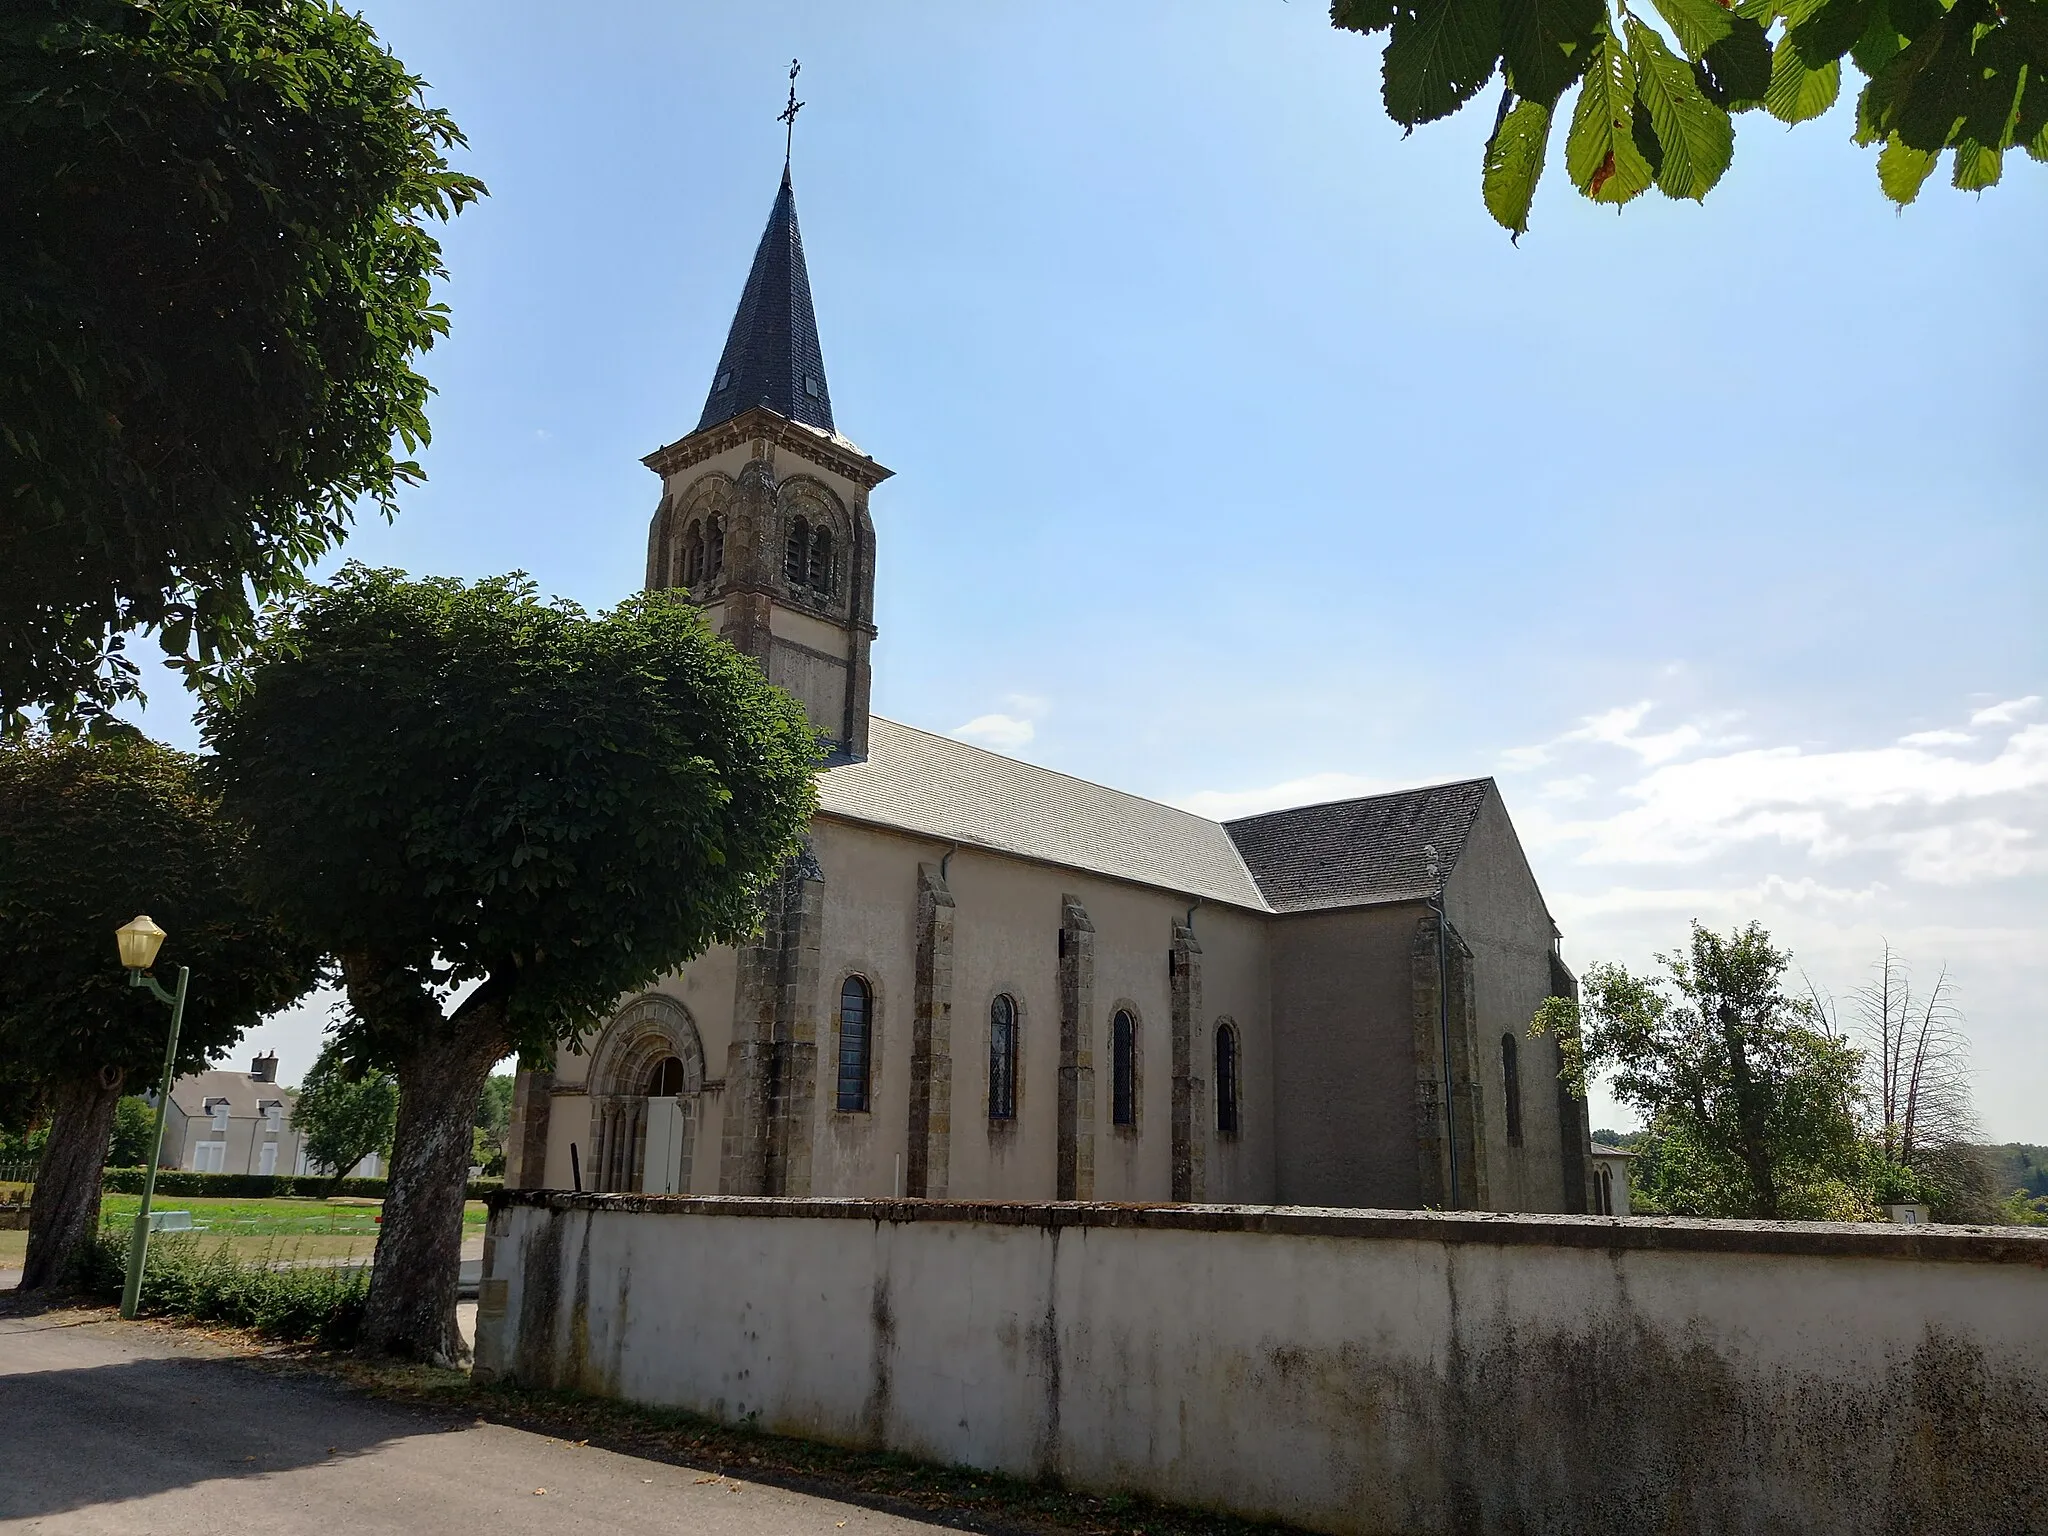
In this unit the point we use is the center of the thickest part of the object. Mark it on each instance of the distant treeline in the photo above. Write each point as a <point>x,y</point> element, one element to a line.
<point>2013,1164</point>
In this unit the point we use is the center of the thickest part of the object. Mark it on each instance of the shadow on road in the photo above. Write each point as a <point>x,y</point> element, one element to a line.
<point>85,1434</point>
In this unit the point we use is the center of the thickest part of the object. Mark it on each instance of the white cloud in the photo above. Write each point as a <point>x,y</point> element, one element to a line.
<point>1618,727</point>
<point>1229,804</point>
<point>1937,739</point>
<point>1000,733</point>
<point>2006,713</point>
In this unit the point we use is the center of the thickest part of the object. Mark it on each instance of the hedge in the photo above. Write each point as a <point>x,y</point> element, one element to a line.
<point>273,1294</point>
<point>257,1186</point>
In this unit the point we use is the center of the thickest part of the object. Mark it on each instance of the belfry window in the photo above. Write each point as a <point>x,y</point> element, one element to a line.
<point>855,1039</point>
<point>821,561</point>
<point>1226,1080</point>
<point>796,555</point>
<point>714,545</point>
<point>1511,1080</point>
<point>1002,1058</point>
<point>693,555</point>
<point>1123,1069</point>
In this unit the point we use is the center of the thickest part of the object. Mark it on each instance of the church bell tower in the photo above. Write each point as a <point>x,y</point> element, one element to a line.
<point>764,506</point>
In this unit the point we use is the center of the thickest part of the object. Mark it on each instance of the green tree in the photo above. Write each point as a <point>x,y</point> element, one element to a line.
<point>215,276</point>
<point>456,786</point>
<point>1748,1099</point>
<point>493,1124</point>
<point>134,1129</point>
<point>91,833</point>
<point>1656,106</point>
<point>345,1112</point>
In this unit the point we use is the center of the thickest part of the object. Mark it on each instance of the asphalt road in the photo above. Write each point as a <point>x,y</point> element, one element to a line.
<point>106,1426</point>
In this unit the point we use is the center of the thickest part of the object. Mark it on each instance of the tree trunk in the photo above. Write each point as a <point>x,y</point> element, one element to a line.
<point>66,1208</point>
<point>1749,1119</point>
<point>411,1309</point>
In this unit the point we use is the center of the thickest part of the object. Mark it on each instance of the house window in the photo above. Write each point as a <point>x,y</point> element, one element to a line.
<point>855,1038</point>
<point>217,1111</point>
<point>1226,1080</point>
<point>273,1118</point>
<point>1123,1069</point>
<point>666,1080</point>
<point>1511,1078</point>
<point>1002,1058</point>
<point>209,1156</point>
<point>266,1161</point>
<point>821,562</point>
<point>796,554</point>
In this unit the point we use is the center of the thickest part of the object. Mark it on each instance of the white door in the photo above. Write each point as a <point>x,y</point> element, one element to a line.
<point>662,1164</point>
<point>267,1161</point>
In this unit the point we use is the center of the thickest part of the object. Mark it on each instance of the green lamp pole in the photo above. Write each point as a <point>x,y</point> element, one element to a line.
<point>139,942</point>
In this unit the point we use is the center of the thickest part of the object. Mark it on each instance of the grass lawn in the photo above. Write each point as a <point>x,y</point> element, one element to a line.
<point>293,1228</point>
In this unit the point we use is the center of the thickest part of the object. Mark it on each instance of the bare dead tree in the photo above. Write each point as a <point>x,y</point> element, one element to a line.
<point>1919,1061</point>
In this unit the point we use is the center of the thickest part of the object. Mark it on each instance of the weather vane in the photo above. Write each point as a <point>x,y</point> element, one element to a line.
<point>787,117</point>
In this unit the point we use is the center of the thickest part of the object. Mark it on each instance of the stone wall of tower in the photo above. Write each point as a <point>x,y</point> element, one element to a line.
<point>766,524</point>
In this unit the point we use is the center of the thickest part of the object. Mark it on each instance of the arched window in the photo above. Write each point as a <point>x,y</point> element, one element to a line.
<point>666,1080</point>
<point>1511,1078</point>
<point>796,555</point>
<point>1123,1069</point>
<point>1002,1059</point>
<point>821,561</point>
<point>714,545</point>
<point>693,555</point>
<point>855,1038</point>
<point>1604,1192</point>
<point>1226,1080</point>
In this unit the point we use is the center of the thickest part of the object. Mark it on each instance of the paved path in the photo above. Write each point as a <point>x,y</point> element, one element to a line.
<point>125,1428</point>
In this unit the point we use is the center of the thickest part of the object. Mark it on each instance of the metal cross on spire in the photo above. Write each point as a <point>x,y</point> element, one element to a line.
<point>787,117</point>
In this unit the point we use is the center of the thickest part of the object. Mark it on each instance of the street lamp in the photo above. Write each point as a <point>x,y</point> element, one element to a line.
<point>139,940</point>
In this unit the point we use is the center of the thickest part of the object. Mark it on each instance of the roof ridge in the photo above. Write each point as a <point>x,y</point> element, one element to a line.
<point>1058,773</point>
<point>1385,794</point>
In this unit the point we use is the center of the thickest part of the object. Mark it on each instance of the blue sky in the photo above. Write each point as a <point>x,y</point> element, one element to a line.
<point>1242,461</point>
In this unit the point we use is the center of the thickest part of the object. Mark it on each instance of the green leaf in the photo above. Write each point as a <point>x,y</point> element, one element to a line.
<point>1697,24</point>
<point>1902,170</point>
<point>1514,163</point>
<point>1977,166</point>
<point>1738,67</point>
<point>1546,43</point>
<point>1880,41</point>
<point>1829,30</point>
<point>1600,153</point>
<point>1439,55</point>
<point>2030,122</point>
<point>1697,136</point>
<point>1797,93</point>
<point>1362,15</point>
<point>1924,92</point>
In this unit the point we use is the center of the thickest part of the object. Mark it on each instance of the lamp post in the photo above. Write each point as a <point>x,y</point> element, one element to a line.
<point>139,941</point>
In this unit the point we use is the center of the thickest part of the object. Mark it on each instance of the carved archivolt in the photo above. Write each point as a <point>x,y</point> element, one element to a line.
<point>625,1064</point>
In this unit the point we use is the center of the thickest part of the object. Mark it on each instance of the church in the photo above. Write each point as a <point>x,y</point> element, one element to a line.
<point>984,980</point>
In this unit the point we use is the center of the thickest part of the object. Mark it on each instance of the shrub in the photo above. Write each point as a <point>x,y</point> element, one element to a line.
<point>321,1302</point>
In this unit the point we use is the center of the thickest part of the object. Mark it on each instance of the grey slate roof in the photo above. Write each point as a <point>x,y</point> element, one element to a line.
<point>946,789</point>
<point>1357,852</point>
<point>772,356</point>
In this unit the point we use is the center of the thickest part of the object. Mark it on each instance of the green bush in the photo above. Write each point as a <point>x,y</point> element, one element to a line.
<point>259,1186</point>
<point>321,1302</point>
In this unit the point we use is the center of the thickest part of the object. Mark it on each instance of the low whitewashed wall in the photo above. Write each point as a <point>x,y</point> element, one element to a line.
<point>1367,1372</point>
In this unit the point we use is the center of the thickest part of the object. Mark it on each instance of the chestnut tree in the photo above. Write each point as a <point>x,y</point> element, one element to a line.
<point>499,815</point>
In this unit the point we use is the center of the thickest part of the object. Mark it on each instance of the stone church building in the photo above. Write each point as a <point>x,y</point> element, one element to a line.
<point>984,980</point>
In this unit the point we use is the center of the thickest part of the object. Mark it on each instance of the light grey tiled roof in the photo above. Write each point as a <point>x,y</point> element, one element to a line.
<point>245,1096</point>
<point>946,789</point>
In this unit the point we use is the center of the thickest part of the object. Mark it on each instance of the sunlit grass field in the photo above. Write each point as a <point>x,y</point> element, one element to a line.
<point>291,1228</point>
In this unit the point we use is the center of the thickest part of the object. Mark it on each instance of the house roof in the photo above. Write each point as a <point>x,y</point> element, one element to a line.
<point>193,1092</point>
<point>771,355</point>
<point>1358,852</point>
<point>945,789</point>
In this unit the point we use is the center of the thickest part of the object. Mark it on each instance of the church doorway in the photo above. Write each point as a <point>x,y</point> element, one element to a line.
<point>646,1083</point>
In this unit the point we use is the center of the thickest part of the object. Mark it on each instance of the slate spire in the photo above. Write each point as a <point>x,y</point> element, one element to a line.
<point>771,354</point>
